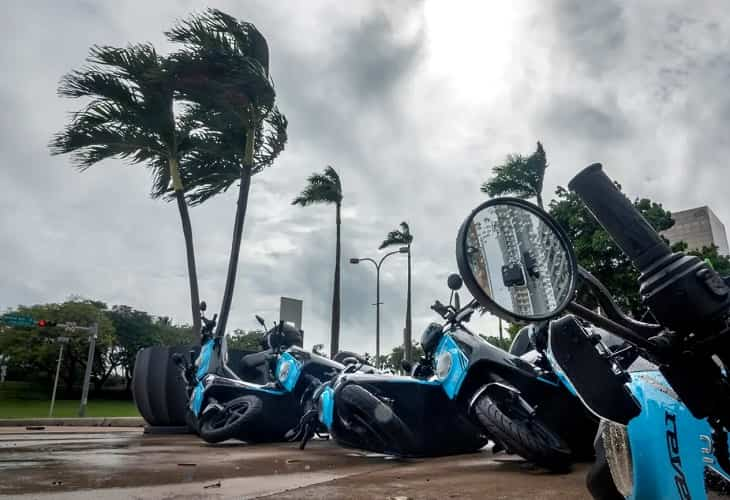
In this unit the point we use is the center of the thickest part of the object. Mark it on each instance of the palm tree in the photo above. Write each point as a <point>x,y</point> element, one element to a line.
<point>519,176</point>
<point>403,236</point>
<point>131,115</point>
<point>327,188</point>
<point>224,69</point>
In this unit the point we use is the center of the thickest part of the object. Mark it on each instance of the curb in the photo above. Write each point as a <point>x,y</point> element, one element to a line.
<point>73,422</point>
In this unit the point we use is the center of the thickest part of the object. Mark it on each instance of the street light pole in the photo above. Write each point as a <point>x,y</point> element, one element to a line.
<point>377,295</point>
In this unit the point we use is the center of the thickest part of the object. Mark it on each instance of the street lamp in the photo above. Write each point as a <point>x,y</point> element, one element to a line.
<point>377,294</point>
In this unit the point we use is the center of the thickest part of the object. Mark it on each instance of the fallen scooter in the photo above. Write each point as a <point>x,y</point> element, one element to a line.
<point>223,406</point>
<point>664,399</point>
<point>396,414</point>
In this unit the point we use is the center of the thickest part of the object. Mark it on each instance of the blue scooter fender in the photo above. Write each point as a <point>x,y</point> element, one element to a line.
<point>669,447</point>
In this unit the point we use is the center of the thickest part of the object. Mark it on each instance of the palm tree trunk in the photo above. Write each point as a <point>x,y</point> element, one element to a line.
<point>182,207</point>
<point>408,337</point>
<point>243,190</point>
<point>539,200</point>
<point>335,331</point>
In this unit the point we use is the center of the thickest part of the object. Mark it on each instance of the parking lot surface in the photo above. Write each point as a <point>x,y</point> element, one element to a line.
<point>90,463</point>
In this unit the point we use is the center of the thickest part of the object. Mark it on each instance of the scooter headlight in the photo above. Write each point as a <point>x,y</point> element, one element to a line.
<point>618,455</point>
<point>443,365</point>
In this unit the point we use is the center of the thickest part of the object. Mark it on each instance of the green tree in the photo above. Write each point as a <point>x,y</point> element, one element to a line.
<point>395,359</point>
<point>327,188</point>
<point>130,114</point>
<point>34,351</point>
<point>223,67</point>
<point>721,263</point>
<point>520,176</point>
<point>242,340</point>
<point>134,330</point>
<point>401,237</point>
<point>596,251</point>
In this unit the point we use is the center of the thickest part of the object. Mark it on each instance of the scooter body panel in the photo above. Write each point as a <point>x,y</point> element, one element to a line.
<point>669,447</point>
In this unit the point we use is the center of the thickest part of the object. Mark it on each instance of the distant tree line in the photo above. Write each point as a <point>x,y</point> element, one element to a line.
<point>123,331</point>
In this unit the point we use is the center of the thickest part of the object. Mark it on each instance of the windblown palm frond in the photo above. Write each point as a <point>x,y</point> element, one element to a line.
<point>129,115</point>
<point>222,68</point>
<point>222,60</point>
<point>321,188</point>
<point>400,236</point>
<point>520,176</point>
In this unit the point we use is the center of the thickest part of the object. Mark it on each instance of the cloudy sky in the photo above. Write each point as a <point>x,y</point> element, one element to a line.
<point>411,102</point>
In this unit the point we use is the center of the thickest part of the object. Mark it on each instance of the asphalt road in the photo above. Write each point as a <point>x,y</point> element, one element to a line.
<point>90,463</point>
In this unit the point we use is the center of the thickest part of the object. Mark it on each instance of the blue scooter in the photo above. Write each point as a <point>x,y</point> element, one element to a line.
<point>665,423</point>
<point>223,406</point>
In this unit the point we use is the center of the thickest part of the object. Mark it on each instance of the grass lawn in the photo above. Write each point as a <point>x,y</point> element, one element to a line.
<point>20,408</point>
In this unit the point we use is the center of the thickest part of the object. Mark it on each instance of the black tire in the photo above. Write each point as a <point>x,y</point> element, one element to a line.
<point>342,355</point>
<point>599,480</point>
<point>246,418</point>
<point>380,423</point>
<point>527,437</point>
<point>158,388</point>
<point>139,386</point>
<point>239,418</point>
<point>176,393</point>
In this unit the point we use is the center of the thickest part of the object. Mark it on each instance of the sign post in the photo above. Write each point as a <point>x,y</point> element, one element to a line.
<point>93,331</point>
<point>62,341</point>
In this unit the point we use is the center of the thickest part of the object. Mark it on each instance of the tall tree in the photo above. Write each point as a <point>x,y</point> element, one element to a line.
<point>223,67</point>
<point>401,237</point>
<point>520,176</point>
<point>327,188</point>
<point>131,115</point>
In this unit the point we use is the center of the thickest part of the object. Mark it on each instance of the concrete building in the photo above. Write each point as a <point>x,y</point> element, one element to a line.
<point>698,227</point>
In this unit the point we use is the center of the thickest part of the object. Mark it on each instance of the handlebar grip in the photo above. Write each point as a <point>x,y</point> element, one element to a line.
<point>618,216</point>
<point>438,307</point>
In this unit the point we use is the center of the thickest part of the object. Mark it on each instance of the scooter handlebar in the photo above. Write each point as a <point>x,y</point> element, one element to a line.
<point>618,216</point>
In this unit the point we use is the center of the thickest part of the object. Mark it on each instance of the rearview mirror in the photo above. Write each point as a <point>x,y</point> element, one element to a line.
<point>516,261</point>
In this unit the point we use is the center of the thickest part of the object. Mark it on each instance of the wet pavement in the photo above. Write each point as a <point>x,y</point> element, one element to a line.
<point>92,463</point>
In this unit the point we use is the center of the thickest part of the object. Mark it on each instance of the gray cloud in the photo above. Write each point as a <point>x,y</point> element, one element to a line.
<point>639,87</point>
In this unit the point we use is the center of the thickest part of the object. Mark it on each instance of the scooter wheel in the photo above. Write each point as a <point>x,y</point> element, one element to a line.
<point>240,417</point>
<point>385,431</point>
<point>523,435</point>
<point>599,480</point>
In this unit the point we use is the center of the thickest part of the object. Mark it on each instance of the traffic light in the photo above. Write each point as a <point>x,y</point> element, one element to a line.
<point>43,323</point>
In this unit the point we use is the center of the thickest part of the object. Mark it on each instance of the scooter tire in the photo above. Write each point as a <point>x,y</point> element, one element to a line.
<point>599,480</point>
<point>392,435</point>
<point>247,424</point>
<point>532,440</point>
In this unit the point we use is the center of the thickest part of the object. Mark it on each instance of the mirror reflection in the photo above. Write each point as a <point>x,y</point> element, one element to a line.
<point>518,260</point>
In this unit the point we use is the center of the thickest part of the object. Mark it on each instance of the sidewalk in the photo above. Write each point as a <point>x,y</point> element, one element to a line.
<point>73,422</point>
